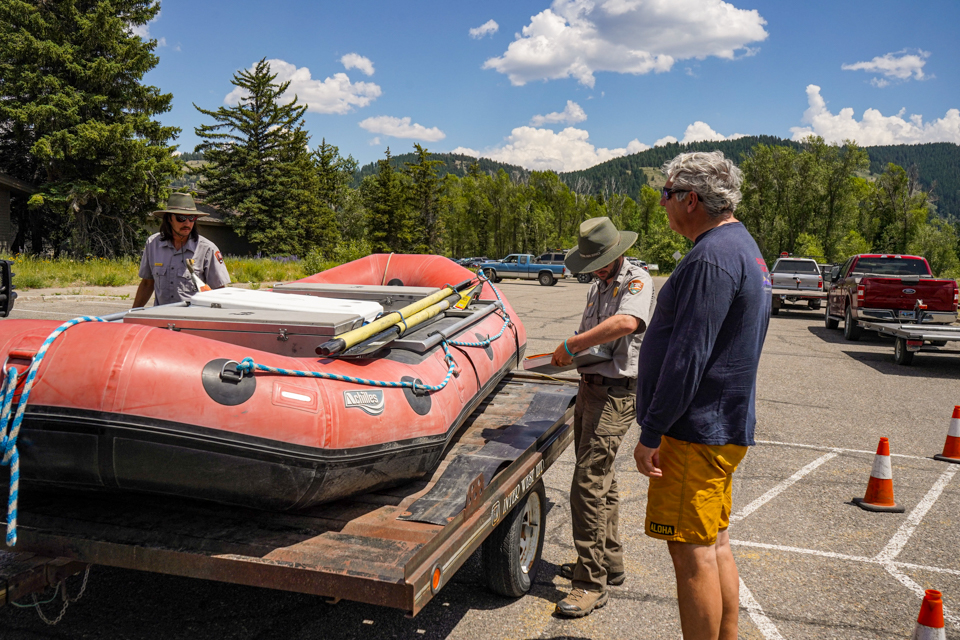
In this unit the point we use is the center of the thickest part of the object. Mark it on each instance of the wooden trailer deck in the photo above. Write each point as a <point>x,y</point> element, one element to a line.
<point>357,549</point>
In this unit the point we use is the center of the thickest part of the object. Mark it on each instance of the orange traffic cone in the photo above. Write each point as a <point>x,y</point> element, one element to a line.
<point>930,621</point>
<point>951,448</point>
<point>879,495</point>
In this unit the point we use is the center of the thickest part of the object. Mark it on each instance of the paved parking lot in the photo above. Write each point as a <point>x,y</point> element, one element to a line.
<point>812,564</point>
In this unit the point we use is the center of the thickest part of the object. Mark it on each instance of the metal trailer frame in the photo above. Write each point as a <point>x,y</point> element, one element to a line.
<point>911,338</point>
<point>355,549</point>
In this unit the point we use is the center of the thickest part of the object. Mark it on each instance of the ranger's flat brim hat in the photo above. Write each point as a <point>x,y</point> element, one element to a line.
<point>599,244</point>
<point>179,203</point>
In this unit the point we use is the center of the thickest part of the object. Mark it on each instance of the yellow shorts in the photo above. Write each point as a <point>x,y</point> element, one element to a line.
<point>692,501</point>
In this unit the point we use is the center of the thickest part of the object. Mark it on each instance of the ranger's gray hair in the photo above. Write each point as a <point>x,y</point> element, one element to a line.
<point>714,178</point>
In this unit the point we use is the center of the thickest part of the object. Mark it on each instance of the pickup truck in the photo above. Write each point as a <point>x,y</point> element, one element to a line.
<point>525,267</point>
<point>887,288</point>
<point>796,279</point>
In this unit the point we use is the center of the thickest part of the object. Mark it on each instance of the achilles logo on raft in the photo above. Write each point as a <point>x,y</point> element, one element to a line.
<point>369,401</point>
<point>661,529</point>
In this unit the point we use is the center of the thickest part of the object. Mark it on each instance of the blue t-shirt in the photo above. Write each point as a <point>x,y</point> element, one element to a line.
<point>699,357</point>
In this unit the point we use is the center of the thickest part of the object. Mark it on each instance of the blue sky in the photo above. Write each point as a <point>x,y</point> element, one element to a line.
<point>567,84</point>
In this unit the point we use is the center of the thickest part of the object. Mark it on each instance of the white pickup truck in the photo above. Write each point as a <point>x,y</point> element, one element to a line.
<point>796,279</point>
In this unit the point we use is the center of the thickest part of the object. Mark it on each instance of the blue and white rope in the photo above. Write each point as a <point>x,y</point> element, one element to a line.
<point>506,320</point>
<point>247,365</point>
<point>8,444</point>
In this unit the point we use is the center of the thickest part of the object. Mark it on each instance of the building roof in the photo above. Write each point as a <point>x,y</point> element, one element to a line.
<point>13,184</point>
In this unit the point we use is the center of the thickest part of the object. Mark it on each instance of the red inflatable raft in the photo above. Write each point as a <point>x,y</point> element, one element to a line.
<point>156,402</point>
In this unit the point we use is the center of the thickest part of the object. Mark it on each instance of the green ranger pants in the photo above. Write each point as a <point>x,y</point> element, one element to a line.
<point>601,420</point>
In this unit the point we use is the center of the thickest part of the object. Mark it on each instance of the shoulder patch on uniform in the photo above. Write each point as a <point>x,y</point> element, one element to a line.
<point>635,286</point>
<point>219,257</point>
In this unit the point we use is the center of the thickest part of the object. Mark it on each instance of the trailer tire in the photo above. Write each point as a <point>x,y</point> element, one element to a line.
<point>901,354</point>
<point>813,304</point>
<point>851,330</point>
<point>546,279</point>
<point>938,343</point>
<point>511,553</point>
<point>774,311</point>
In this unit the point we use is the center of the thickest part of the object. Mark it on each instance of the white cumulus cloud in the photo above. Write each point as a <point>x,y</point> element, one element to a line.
<point>335,94</point>
<point>577,38</point>
<point>488,28</point>
<point>544,149</point>
<point>143,30</point>
<point>357,61</point>
<point>401,128</point>
<point>572,114</point>
<point>874,128</point>
<point>699,131</point>
<point>901,65</point>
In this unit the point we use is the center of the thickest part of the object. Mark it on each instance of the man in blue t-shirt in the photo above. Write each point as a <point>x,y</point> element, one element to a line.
<point>696,387</point>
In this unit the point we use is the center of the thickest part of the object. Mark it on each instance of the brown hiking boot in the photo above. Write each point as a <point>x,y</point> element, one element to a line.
<point>581,602</point>
<point>613,579</point>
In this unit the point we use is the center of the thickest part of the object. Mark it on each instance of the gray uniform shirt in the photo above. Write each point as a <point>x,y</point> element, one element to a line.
<point>167,267</point>
<point>630,293</point>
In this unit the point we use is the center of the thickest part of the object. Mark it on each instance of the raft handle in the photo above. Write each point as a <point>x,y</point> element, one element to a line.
<point>234,376</point>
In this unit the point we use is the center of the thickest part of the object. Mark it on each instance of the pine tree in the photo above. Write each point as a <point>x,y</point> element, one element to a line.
<point>77,122</point>
<point>389,224</point>
<point>259,166</point>
<point>338,215</point>
<point>425,199</point>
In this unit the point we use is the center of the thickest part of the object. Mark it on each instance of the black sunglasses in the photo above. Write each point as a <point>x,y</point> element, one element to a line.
<point>666,192</point>
<point>181,218</point>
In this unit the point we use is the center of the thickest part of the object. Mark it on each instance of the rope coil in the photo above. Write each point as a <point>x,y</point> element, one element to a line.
<point>8,444</point>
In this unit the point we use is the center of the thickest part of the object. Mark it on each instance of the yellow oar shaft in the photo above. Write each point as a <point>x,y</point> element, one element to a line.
<point>350,338</point>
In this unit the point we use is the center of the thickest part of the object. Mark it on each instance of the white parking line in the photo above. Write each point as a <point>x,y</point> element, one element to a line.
<point>780,488</point>
<point>902,536</point>
<point>760,619</point>
<point>838,449</point>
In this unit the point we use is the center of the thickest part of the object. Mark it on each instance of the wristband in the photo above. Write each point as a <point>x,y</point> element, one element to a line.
<point>567,348</point>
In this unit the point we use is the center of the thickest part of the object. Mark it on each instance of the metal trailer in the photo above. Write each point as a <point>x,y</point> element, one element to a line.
<point>911,338</point>
<point>396,547</point>
<point>782,295</point>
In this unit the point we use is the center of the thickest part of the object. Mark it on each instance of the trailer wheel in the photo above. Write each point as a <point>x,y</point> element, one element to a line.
<point>511,554</point>
<point>546,278</point>
<point>851,330</point>
<point>813,304</point>
<point>774,311</point>
<point>900,352</point>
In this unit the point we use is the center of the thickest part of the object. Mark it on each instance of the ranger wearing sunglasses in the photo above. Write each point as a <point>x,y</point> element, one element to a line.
<point>163,269</point>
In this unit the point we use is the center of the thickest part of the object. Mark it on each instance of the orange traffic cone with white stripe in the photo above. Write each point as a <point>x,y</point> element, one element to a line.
<point>930,621</point>
<point>951,448</point>
<point>879,495</point>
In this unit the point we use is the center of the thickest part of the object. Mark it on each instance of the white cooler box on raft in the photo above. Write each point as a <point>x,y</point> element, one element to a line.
<point>281,323</point>
<point>229,298</point>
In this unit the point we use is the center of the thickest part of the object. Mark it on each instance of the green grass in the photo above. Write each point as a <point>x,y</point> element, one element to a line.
<point>40,273</point>
<point>43,273</point>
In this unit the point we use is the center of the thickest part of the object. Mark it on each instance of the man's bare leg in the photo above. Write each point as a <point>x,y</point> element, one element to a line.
<point>698,589</point>
<point>729,587</point>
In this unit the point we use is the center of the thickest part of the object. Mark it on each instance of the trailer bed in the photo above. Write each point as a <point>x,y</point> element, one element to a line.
<point>357,549</point>
<point>913,338</point>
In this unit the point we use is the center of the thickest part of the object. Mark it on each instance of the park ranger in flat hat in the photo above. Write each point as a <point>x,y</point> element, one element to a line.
<point>163,268</point>
<point>619,306</point>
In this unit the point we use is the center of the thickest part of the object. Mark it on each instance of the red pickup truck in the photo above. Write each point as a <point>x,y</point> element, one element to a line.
<point>887,288</point>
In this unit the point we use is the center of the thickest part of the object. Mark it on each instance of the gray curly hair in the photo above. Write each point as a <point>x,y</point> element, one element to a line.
<point>714,178</point>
